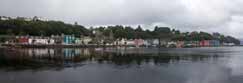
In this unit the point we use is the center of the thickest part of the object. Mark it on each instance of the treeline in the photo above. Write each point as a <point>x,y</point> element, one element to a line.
<point>48,28</point>
<point>163,33</point>
<point>37,28</point>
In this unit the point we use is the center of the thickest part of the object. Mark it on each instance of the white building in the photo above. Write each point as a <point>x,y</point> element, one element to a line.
<point>228,44</point>
<point>4,18</point>
<point>39,18</point>
<point>86,40</point>
<point>122,42</point>
<point>130,42</point>
<point>39,40</point>
<point>78,41</point>
<point>171,43</point>
<point>151,42</point>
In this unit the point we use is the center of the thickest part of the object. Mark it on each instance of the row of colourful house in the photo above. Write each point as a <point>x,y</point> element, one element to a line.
<point>65,39</point>
<point>178,44</point>
<point>70,39</point>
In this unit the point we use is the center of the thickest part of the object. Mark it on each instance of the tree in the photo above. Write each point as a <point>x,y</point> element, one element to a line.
<point>130,32</point>
<point>37,28</point>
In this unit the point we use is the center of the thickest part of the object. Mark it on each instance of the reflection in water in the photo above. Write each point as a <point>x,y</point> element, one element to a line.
<point>122,65</point>
<point>61,58</point>
<point>42,58</point>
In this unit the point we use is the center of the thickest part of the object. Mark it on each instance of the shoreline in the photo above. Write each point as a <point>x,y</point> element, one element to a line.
<point>86,46</point>
<point>60,46</point>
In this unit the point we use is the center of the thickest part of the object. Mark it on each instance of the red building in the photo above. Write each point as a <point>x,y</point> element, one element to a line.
<point>23,40</point>
<point>204,43</point>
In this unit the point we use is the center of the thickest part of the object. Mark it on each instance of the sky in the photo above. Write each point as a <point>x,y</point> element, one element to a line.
<point>224,16</point>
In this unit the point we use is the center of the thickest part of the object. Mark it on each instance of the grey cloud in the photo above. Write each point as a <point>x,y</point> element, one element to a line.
<point>205,15</point>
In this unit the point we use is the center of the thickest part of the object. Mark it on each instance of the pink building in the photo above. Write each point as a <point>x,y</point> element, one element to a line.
<point>138,42</point>
<point>179,44</point>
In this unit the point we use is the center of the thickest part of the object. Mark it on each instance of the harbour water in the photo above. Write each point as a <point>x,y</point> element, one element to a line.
<point>122,65</point>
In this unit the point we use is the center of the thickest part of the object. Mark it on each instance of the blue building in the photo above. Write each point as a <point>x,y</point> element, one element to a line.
<point>214,43</point>
<point>69,39</point>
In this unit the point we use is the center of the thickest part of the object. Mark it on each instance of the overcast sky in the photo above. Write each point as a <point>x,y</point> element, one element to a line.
<point>224,16</point>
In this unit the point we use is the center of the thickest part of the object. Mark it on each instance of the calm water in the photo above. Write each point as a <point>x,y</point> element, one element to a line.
<point>122,65</point>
